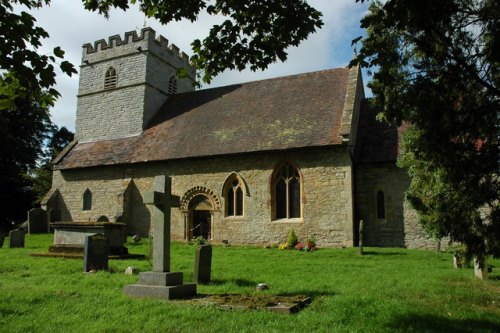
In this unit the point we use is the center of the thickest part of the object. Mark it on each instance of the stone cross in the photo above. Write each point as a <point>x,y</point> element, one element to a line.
<point>162,201</point>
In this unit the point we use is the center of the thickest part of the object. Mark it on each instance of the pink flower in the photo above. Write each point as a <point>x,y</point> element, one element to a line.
<point>299,246</point>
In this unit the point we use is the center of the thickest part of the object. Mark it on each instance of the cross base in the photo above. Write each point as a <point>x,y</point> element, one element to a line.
<point>165,285</point>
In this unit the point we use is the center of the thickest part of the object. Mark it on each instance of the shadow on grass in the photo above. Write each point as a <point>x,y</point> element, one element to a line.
<point>238,282</point>
<point>311,293</point>
<point>248,283</point>
<point>384,254</point>
<point>437,324</point>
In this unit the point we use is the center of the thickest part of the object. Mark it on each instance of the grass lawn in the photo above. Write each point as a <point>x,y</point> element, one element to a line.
<point>387,290</point>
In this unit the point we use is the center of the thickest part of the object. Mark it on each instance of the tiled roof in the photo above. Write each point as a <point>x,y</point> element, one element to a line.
<point>283,113</point>
<point>377,141</point>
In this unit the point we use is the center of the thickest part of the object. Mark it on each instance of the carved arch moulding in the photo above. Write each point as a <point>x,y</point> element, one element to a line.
<point>199,190</point>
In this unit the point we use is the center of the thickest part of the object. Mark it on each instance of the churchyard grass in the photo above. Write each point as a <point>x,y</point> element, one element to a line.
<point>386,290</point>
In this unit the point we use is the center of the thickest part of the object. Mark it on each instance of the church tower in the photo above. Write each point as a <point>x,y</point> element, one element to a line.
<point>124,82</point>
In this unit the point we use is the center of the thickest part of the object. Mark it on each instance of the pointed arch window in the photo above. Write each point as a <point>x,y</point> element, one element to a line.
<point>87,200</point>
<point>380,205</point>
<point>172,85</point>
<point>286,185</point>
<point>233,193</point>
<point>110,78</point>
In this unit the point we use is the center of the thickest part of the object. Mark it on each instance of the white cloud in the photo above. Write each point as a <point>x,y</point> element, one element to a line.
<point>70,26</point>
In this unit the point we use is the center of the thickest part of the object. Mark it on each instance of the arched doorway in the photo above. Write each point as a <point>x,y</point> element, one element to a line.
<point>200,210</point>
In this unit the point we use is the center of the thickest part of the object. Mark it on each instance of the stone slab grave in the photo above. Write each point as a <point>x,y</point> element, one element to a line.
<point>37,221</point>
<point>161,282</point>
<point>95,253</point>
<point>69,236</point>
<point>283,304</point>
<point>17,238</point>
<point>203,264</point>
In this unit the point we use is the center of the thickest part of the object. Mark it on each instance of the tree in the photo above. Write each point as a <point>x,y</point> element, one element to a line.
<point>26,93</point>
<point>436,71</point>
<point>23,130</point>
<point>23,70</point>
<point>41,176</point>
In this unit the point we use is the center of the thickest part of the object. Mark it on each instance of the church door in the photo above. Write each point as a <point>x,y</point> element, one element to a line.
<point>202,224</point>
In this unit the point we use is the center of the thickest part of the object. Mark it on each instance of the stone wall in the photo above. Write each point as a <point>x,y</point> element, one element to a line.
<point>400,227</point>
<point>326,195</point>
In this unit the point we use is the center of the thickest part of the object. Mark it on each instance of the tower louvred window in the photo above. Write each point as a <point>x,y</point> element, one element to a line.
<point>172,85</point>
<point>110,78</point>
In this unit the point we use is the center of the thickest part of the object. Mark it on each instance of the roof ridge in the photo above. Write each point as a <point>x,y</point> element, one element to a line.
<point>285,77</point>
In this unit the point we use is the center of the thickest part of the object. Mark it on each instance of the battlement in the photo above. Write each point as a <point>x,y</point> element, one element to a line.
<point>132,41</point>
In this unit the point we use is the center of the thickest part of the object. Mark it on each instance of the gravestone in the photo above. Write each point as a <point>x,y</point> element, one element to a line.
<point>17,238</point>
<point>95,253</point>
<point>203,264</point>
<point>2,239</point>
<point>480,268</point>
<point>37,221</point>
<point>161,283</point>
<point>361,230</point>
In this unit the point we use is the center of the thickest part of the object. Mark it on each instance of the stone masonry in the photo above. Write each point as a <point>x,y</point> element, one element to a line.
<point>400,227</point>
<point>326,194</point>
<point>144,66</point>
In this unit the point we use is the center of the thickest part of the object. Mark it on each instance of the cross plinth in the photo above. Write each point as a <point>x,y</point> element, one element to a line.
<point>161,282</point>
<point>162,200</point>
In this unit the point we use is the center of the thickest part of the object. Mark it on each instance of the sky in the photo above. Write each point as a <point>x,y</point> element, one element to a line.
<point>70,26</point>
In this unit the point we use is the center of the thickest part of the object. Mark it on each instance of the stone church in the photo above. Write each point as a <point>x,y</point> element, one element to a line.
<point>248,161</point>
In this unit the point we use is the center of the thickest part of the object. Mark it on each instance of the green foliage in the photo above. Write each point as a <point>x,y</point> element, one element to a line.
<point>26,93</point>
<point>200,240</point>
<point>41,176</point>
<point>24,127</point>
<point>24,70</point>
<point>436,72</point>
<point>292,238</point>
<point>254,34</point>
<point>387,290</point>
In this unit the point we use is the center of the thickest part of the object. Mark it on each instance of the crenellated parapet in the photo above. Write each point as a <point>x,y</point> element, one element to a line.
<point>132,42</point>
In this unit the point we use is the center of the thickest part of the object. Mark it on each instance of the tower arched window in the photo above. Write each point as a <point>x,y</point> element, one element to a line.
<point>87,200</point>
<point>286,187</point>
<point>172,85</point>
<point>380,205</point>
<point>110,78</point>
<point>233,193</point>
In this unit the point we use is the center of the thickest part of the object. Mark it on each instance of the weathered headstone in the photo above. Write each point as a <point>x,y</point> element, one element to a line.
<point>2,239</point>
<point>203,264</point>
<point>17,238</point>
<point>37,221</point>
<point>161,283</point>
<point>95,253</point>
<point>361,230</point>
<point>480,268</point>
<point>131,270</point>
<point>457,261</point>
